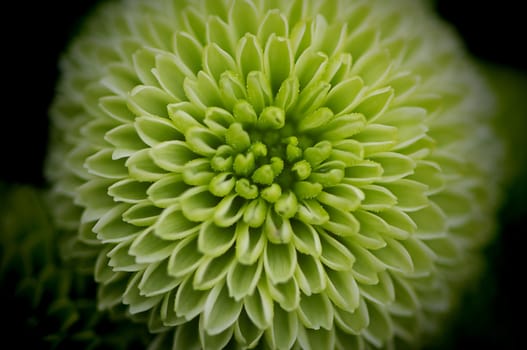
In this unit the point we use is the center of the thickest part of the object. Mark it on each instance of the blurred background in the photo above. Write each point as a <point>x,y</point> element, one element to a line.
<point>34,33</point>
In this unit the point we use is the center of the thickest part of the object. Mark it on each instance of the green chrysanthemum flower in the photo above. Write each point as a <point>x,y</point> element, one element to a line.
<point>304,174</point>
<point>52,306</point>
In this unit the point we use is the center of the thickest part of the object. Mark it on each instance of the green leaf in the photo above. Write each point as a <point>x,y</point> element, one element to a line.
<point>279,262</point>
<point>221,311</point>
<point>316,311</point>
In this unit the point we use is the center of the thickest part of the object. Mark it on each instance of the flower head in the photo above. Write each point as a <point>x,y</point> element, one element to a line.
<point>311,174</point>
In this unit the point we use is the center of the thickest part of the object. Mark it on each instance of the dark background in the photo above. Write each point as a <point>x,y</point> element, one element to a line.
<point>34,33</point>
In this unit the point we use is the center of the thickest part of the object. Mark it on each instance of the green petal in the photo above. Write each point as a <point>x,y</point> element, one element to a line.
<point>142,214</point>
<point>395,165</point>
<point>375,103</point>
<point>155,130</point>
<point>156,281</point>
<point>341,223</point>
<point>287,93</point>
<point>229,210</point>
<point>167,312</point>
<point>310,274</point>
<point>231,90</point>
<point>121,259</point>
<point>166,191</point>
<point>186,337</point>
<point>259,91</point>
<point>184,119</point>
<point>430,174</point>
<point>125,139</point>
<point>365,172</point>
<point>214,342</point>
<point>249,55</point>
<point>134,300</point>
<point>287,294</point>
<point>243,279</point>
<point>406,300</point>
<point>111,228</point>
<point>381,293</point>
<point>116,108</point>
<point>306,238</point>
<point>311,212</point>
<point>260,307</point>
<point>247,334</point>
<point>278,60</point>
<point>410,195</point>
<point>343,97</point>
<point>377,198</point>
<point>377,138</point>
<point>198,172</point>
<point>380,328</point>
<point>243,16</point>
<point>250,244</point>
<point>218,119</point>
<point>366,267</point>
<point>128,191</point>
<point>316,311</point>
<point>221,311</point>
<point>198,204</point>
<point>189,50</point>
<point>149,101</point>
<point>430,222</point>
<point>219,32</point>
<point>102,164</point>
<point>143,60</point>
<point>172,155</point>
<point>283,334</point>
<point>214,240</point>
<point>185,258</point>
<point>216,61</point>
<point>395,256</point>
<point>148,248</point>
<point>274,22</point>
<point>279,262</point>
<point>142,167</point>
<point>373,67</point>
<point>334,254</point>
<point>174,225</point>
<point>316,339</point>
<point>189,302</point>
<point>110,294</point>
<point>401,225</point>
<point>212,270</point>
<point>170,73</point>
<point>353,322</point>
<point>343,196</point>
<point>203,91</point>
<point>343,127</point>
<point>422,256</point>
<point>255,213</point>
<point>343,289</point>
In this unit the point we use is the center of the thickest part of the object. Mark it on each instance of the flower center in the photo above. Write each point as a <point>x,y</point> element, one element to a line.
<point>266,157</point>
